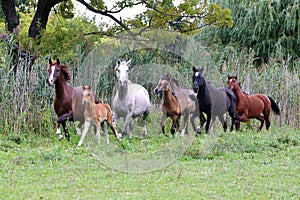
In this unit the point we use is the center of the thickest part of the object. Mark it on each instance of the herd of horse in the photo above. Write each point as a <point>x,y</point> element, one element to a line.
<point>132,100</point>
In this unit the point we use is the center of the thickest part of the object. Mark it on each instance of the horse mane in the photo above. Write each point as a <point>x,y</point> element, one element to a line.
<point>66,71</point>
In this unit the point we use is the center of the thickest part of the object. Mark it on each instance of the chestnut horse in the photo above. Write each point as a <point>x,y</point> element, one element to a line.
<point>68,99</point>
<point>252,106</point>
<point>96,114</point>
<point>170,106</point>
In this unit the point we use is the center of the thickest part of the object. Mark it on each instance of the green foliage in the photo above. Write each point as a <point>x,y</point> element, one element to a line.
<point>98,4</point>
<point>267,27</point>
<point>66,9</point>
<point>65,37</point>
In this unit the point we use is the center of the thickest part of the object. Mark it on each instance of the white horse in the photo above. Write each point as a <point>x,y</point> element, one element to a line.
<point>131,100</point>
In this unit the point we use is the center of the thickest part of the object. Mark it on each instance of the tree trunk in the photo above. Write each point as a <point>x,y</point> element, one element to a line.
<point>9,10</point>
<point>40,19</point>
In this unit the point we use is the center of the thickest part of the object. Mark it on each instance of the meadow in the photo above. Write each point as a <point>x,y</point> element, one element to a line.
<point>232,165</point>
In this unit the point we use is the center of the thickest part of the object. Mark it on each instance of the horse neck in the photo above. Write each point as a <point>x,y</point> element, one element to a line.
<point>122,91</point>
<point>174,86</point>
<point>167,95</point>
<point>204,89</point>
<point>61,87</point>
<point>90,107</point>
<point>238,92</point>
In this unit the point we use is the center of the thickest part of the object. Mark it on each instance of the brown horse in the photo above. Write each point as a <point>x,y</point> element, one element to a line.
<point>68,99</point>
<point>96,114</point>
<point>252,106</point>
<point>170,106</point>
<point>187,101</point>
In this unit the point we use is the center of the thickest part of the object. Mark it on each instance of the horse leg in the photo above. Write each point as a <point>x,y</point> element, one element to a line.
<point>85,130</point>
<point>267,118</point>
<point>65,130</point>
<point>127,124</point>
<point>62,120</point>
<point>146,113</point>
<point>223,122</point>
<point>162,123</point>
<point>105,132</point>
<point>262,120</point>
<point>58,132</point>
<point>98,132</point>
<point>192,120</point>
<point>174,125</point>
<point>202,122</point>
<point>112,126</point>
<point>78,128</point>
<point>207,122</point>
<point>185,124</point>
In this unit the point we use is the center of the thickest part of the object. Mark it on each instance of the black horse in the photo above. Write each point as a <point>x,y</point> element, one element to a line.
<point>214,101</point>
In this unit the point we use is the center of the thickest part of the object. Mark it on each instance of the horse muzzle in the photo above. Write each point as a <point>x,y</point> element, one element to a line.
<point>50,82</point>
<point>196,89</point>
<point>157,91</point>
<point>122,83</point>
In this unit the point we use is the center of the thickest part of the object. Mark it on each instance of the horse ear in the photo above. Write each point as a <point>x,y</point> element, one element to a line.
<point>201,69</point>
<point>90,86</point>
<point>236,76</point>
<point>128,63</point>
<point>83,88</point>
<point>195,69</point>
<point>57,61</point>
<point>118,61</point>
<point>50,61</point>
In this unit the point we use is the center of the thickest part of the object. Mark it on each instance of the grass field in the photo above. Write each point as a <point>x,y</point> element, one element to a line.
<point>231,165</point>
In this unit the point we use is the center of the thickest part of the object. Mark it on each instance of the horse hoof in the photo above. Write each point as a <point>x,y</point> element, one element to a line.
<point>60,137</point>
<point>198,130</point>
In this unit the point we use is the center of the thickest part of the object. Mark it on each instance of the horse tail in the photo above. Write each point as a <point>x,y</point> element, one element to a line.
<point>274,106</point>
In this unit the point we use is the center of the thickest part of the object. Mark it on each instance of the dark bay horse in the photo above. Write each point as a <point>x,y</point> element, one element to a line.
<point>170,106</point>
<point>186,98</point>
<point>68,99</point>
<point>213,101</point>
<point>256,106</point>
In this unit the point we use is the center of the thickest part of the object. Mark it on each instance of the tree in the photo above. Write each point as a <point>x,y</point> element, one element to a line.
<point>269,28</point>
<point>189,16</point>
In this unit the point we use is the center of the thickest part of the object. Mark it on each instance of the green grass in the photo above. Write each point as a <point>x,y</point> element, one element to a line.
<point>237,165</point>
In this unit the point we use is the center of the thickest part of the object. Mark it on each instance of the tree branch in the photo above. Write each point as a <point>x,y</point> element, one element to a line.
<point>106,13</point>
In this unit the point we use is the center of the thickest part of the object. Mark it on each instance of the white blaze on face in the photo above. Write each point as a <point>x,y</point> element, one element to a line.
<point>51,76</point>
<point>230,80</point>
<point>196,73</point>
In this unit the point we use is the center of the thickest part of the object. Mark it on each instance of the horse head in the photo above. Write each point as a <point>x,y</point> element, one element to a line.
<point>235,85</point>
<point>56,71</point>
<point>162,84</point>
<point>122,69</point>
<point>231,80</point>
<point>87,95</point>
<point>198,79</point>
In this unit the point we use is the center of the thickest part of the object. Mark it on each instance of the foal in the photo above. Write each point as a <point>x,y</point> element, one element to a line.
<point>96,114</point>
<point>170,106</point>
